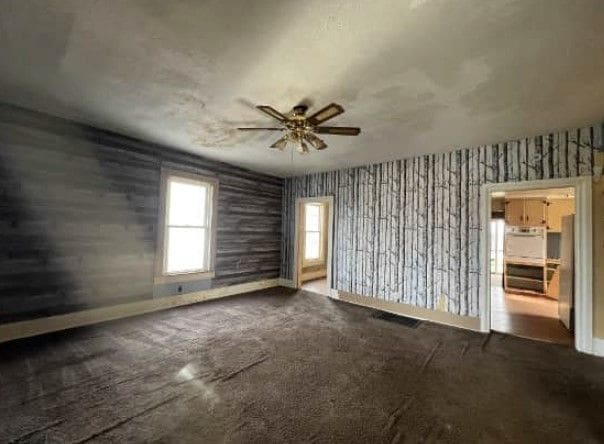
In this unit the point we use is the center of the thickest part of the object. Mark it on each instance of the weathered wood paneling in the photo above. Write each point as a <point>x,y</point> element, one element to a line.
<point>79,213</point>
<point>408,230</point>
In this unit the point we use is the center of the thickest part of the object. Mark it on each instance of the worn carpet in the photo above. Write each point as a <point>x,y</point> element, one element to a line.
<point>279,366</point>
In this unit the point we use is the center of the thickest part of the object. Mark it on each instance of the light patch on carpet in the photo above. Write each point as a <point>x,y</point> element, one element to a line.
<point>190,373</point>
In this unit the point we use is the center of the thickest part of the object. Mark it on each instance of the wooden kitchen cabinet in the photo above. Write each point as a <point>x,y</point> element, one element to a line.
<point>553,280</point>
<point>556,210</point>
<point>534,212</point>
<point>514,212</point>
<point>525,212</point>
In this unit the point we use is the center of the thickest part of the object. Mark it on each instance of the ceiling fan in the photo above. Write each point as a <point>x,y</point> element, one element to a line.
<point>301,129</point>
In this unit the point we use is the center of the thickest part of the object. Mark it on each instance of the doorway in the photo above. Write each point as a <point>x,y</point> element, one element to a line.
<point>532,263</point>
<point>314,221</point>
<point>537,252</point>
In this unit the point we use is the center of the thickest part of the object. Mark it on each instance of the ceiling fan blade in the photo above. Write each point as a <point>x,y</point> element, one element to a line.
<point>317,143</point>
<point>272,112</point>
<point>324,114</point>
<point>280,144</point>
<point>261,129</point>
<point>338,130</point>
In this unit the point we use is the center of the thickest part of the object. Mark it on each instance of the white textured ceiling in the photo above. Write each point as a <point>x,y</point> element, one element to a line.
<point>418,76</point>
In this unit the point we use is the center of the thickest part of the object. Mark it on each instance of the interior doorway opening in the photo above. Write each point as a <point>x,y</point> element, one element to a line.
<point>314,221</point>
<point>532,235</point>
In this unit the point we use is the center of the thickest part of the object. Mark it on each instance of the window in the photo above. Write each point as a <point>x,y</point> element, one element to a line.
<point>187,231</point>
<point>313,222</point>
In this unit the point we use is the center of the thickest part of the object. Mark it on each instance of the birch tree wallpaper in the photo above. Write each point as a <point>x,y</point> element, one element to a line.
<point>409,230</point>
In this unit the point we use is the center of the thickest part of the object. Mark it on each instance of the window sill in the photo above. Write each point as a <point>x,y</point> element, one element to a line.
<point>183,277</point>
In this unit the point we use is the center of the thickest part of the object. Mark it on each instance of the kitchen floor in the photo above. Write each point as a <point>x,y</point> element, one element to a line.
<point>533,317</point>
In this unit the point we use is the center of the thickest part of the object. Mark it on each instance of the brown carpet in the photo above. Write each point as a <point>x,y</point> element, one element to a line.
<point>277,366</point>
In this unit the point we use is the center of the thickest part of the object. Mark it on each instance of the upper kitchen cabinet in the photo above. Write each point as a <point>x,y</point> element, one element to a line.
<point>514,212</point>
<point>534,212</point>
<point>556,210</point>
<point>525,212</point>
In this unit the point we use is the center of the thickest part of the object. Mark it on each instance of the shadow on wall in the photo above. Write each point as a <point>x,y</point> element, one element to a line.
<point>79,218</point>
<point>30,279</point>
<point>78,222</point>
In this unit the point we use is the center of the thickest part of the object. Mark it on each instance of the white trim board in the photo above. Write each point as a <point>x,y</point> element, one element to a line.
<point>598,347</point>
<point>583,251</point>
<point>299,201</point>
<point>33,327</point>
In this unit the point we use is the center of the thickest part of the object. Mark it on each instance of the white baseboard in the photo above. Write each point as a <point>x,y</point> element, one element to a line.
<point>411,311</point>
<point>598,347</point>
<point>24,329</point>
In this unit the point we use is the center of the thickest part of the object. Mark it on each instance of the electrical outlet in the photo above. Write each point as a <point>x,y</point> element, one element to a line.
<point>442,303</point>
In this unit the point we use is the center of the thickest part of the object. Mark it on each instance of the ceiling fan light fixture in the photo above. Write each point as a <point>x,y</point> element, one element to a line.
<point>317,143</point>
<point>320,145</point>
<point>300,129</point>
<point>303,148</point>
<point>280,144</point>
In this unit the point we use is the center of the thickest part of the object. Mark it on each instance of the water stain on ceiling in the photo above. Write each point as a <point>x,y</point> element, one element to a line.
<point>418,76</point>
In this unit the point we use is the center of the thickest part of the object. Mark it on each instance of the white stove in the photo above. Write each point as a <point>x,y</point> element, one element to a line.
<point>525,245</point>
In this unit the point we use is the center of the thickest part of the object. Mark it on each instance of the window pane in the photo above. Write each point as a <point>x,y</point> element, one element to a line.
<point>312,246</point>
<point>188,202</point>
<point>186,249</point>
<point>313,217</point>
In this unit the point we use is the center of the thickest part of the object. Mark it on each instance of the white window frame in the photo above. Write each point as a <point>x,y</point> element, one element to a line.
<point>321,259</point>
<point>161,275</point>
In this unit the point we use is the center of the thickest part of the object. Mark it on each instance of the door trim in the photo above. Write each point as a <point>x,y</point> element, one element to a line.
<point>583,252</point>
<point>297,238</point>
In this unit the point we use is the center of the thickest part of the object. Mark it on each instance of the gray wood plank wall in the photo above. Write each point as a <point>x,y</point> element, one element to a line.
<point>79,213</point>
<point>409,230</point>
